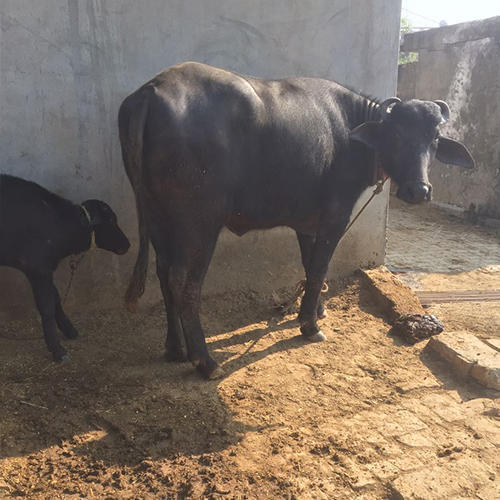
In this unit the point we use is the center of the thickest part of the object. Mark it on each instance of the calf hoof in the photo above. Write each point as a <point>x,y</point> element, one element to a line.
<point>61,357</point>
<point>318,336</point>
<point>209,369</point>
<point>175,356</point>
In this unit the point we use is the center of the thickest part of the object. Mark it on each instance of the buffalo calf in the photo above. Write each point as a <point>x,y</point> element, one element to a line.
<point>37,230</point>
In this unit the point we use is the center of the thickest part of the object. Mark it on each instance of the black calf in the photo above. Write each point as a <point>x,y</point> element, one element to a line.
<point>37,230</point>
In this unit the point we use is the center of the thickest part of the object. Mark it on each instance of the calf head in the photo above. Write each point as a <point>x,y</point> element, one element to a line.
<point>104,223</point>
<point>407,138</point>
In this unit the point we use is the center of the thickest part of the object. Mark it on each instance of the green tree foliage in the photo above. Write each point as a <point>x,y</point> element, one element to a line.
<point>406,57</point>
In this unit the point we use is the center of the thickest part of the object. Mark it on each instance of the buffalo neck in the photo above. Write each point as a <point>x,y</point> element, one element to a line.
<point>361,109</point>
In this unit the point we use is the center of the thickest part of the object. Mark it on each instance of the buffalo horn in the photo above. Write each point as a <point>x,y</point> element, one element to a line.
<point>385,107</point>
<point>445,110</point>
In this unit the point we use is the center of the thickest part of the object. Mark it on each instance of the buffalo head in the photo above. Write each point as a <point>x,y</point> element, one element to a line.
<point>407,138</point>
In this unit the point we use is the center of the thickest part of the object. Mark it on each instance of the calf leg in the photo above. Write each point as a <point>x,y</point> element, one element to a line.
<point>329,234</point>
<point>43,291</point>
<point>306,244</point>
<point>63,322</point>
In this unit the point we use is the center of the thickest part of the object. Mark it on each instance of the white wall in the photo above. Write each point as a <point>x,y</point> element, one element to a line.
<point>65,66</point>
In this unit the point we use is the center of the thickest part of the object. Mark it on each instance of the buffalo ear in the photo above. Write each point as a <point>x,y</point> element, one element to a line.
<point>454,153</point>
<point>369,133</point>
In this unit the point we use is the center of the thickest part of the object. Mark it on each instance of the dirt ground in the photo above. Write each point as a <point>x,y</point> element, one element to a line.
<point>438,251</point>
<point>358,416</point>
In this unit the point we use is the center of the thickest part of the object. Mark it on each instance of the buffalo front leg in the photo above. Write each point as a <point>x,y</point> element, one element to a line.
<point>43,291</point>
<point>306,244</point>
<point>327,239</point>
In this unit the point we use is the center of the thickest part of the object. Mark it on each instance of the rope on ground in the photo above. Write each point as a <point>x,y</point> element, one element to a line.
<point>285,305</point>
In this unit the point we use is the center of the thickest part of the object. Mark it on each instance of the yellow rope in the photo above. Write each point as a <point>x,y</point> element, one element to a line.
<point>92,232</point>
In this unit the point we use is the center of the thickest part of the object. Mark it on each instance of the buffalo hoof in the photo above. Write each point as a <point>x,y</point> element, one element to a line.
<point>175,357</point>
<point>217,373</point>
<point>315,337</point>
<point>209,369</point>
<point>70,333</point>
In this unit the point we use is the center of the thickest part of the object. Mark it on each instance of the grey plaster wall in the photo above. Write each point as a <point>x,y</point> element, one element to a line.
<point>461,64</point>
<point>65,66</point>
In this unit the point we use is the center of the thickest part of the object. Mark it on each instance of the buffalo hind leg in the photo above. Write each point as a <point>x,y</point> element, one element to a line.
<point>45,299</point>
<point>306,244</point>
<point>186,274</point>
<point>175,349</point>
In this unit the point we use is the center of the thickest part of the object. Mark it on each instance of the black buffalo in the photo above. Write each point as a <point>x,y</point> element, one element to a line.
<point>37,230</point>
<point>206,148</point>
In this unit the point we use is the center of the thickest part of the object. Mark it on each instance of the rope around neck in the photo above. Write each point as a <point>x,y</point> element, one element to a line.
<point>92,232</point>
<point>75,260</point>
<point>379,187</point>
<point>285,305</point>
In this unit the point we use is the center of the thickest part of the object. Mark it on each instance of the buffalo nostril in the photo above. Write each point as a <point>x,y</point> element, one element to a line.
<point>415,192</point>
<point>419,192</point>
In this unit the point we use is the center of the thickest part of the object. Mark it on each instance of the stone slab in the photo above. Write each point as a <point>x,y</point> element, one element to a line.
<point>494,343</point>
<point>469,356</point>
<point>442,480</point>
<point>394,297</point>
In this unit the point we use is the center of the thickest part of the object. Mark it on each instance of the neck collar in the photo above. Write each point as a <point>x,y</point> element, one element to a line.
<point>92,232</point>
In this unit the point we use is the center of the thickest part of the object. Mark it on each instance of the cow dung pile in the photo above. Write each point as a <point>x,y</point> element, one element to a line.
<point>416,327</point>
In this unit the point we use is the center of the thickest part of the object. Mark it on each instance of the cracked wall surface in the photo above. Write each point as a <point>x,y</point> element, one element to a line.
<point>461,64</point>
<point>65,66</point>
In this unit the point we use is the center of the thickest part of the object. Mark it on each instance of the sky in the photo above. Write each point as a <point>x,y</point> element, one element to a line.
<point>428,13</point>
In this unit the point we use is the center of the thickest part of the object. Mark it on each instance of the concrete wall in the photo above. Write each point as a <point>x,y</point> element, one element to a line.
<point>461,64</point>
<point>65,66</point>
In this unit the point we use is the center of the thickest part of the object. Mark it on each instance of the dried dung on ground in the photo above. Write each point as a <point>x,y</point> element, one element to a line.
<point>416,327</point>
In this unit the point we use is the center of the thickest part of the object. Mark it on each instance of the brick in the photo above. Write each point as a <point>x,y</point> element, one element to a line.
<point>416,440</point>
<point>494,343</point>
<point>469,356</point>
<point>393,467</point>
<point>487,428</point>
<point>399,423</point>
<point>423,412</point>
<point>489,492</point>
<point>364,480</point>
<point>444,406</point>
<point>416,384</point>
<point>454,479</point>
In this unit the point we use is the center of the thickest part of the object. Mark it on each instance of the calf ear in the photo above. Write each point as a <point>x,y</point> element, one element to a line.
<point>454,153</point>
<point>368,133</point>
